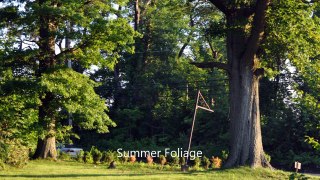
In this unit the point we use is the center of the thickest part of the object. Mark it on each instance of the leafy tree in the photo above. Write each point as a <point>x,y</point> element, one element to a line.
<point>33,57</point>
<point>152,92</point>
<point>260,35</point>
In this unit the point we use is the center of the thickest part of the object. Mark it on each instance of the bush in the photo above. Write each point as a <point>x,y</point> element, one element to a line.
<point>206,162</point>
<point>96,155</point>
<point>64,155</point>
<point>216,162</point>
<point>79,156</point>
<point>87,158</point>
<point>162,160</point>
<point>125,157</point>
<point>149,160</point>
<point>182,161</point>
<point>133,159</point>
<point>174,160</point>
<point>18,155</point>
<point>108,157</point>
<point>197,162</point>
<point>268,157</point>
<point>3,154</point>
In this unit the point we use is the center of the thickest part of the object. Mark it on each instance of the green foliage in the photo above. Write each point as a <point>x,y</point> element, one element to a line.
<point>174,159</point>
<point>224,155</point>
<point>18,154</point>
<point>182,161</point>
<point>64,156</point>
<point>80,156</point>
<point>298,176</point>
<point>206,162</point>
<point>87,157</point>
<point>99,34</point>
<point>313,142</point>
<point>77,96</point>
<point>268,157</point>
<point>125,157</point>
<point>96,155</point>
<point>3,154</point>
<point>197,162</point>
<point>108,157</point>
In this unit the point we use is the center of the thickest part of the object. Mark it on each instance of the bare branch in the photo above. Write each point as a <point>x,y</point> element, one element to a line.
<point>211,65</point>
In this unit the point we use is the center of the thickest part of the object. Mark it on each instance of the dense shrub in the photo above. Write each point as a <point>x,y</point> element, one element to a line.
<point>197,162</point>
<point>3,154</point>
<point>108,157</point>
<point>174,159</point>
<point>64,155</point>
<point>206,162</point>
<point>79,156</point>
<point>18,155</point>
<point>125,157</point>
<point>96,154</point>
<point>87,158</point>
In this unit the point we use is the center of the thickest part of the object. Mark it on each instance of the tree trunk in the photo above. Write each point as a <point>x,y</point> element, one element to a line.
<point>245,127</point>
<point>245,29</point>
<point>47,147</point>
<point>37,153</point>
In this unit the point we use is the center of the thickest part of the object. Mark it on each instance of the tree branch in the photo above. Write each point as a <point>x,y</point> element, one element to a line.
<point>184,47</point>
<point>257,29</point>
<point>213,52</point>
<point>191,24</point>
<point>220,4</point>
<point>211,65</point>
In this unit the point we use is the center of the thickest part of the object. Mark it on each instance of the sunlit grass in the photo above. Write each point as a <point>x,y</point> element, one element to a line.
<point>41,169</point>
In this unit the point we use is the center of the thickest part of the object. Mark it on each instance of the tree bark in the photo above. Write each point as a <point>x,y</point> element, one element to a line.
<point>245,127</point>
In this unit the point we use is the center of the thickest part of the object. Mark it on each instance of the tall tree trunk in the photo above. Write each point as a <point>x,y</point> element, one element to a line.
<point>243,41</point>
<point>47,147</point>
<point>245,128</point>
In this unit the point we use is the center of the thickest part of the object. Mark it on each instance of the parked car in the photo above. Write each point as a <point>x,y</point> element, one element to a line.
<point>71,151</point>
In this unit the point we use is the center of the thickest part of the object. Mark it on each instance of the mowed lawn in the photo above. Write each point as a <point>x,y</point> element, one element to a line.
<point>41,169</point>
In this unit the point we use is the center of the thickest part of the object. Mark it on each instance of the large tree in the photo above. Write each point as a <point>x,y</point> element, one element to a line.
<point>257,30</point>
<point>245,27</point>
<point>33,34</point>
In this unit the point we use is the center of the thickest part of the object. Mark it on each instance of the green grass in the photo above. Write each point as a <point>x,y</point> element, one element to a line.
<point>42,169</point>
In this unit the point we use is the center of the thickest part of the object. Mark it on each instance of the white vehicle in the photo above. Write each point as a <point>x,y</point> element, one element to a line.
<point>71,151</point>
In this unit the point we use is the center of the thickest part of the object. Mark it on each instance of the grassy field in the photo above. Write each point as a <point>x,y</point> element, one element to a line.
<point>41,169</point>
